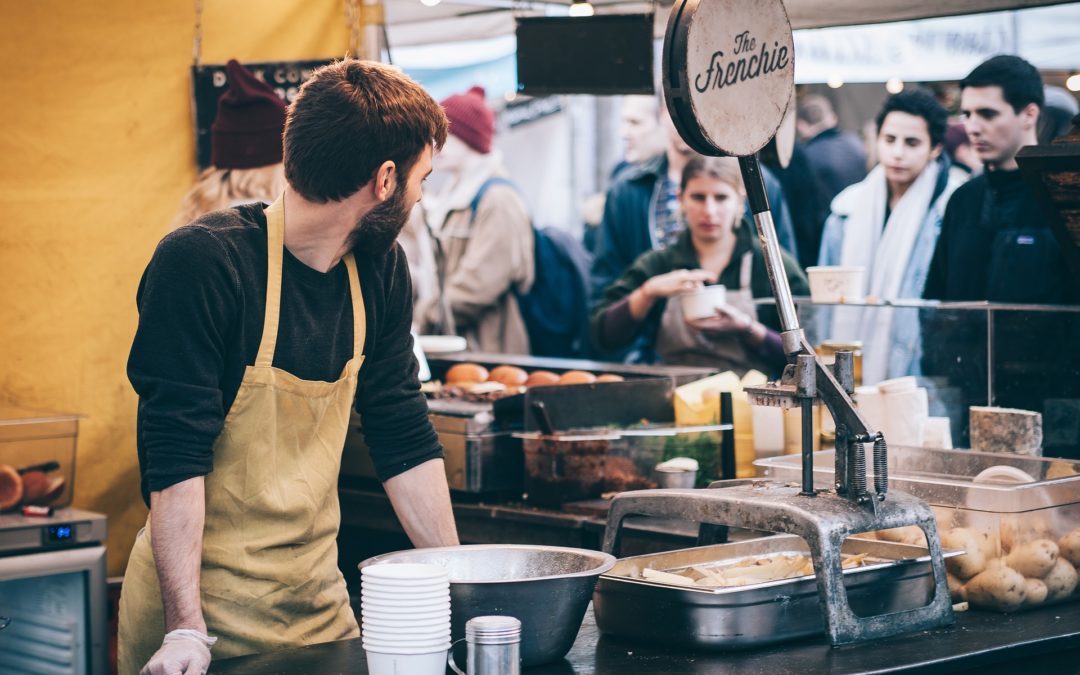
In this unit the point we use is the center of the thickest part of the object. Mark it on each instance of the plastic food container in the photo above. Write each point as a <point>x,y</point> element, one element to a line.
<point>836,284</point>
<point>1016,517</point>
<point>40,447</point>
<point>586,463</point>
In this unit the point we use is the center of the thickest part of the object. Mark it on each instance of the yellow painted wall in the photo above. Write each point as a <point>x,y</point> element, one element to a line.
<point>96,149</point>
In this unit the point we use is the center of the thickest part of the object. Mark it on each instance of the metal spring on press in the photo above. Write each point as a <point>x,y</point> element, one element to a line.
<point>858,472</point>
<point>881,466</point>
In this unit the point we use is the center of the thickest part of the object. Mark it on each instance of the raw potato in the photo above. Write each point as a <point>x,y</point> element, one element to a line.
<point>1034,559</point>
<point>1000,588</point>
<point>973,561</point>
<point>1016,531</point>
<point>1061,581</point>
<point>910,534</point>
<point>956,588</point>
<point>1034,591</point>
<point>1069,547</point>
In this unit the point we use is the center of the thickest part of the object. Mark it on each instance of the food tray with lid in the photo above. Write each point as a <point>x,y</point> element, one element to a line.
<point>895,577</point>
<point>1017,517</point>
<point>38,447</point>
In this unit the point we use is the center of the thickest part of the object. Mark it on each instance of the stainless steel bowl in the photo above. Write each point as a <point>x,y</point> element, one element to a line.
<point>548,588</point>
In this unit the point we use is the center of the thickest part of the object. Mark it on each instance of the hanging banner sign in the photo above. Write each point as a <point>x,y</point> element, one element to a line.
<point>929,50</point>
<point>728,73</point>
<point>209,83</point>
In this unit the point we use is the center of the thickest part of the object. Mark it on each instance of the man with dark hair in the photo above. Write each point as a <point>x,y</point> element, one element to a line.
<point>994,243</point>
<point>837,157</point>
<point>260,327</point>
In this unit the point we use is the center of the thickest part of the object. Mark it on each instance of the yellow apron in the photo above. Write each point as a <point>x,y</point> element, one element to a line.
<point>269,561</point>
<point>677,343</point>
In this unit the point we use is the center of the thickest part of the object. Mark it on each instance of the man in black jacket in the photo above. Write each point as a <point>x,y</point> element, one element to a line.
<point>995,244</point>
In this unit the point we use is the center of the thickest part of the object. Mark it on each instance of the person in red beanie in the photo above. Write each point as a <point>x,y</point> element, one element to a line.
<point>245,149</point>
<point>483,234</point>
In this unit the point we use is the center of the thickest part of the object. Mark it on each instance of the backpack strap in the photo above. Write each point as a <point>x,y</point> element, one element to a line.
<point>490,182</point>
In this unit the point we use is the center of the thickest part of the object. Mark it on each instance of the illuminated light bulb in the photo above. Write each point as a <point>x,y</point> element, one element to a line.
<point>895,85</point>
<point>581,9</point>
<point>1073,83</point>
<point>430,3</point>
<point>835,82</point>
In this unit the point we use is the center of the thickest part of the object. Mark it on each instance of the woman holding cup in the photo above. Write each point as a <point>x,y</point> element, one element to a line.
<point>671,298</point>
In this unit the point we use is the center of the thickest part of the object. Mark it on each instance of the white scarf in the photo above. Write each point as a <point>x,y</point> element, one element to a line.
<point>884,253</point>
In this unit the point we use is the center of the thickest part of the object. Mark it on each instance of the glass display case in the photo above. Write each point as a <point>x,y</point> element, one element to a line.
<point>967,354</point>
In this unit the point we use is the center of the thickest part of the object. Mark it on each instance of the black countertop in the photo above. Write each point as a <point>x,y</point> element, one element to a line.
<point>1043,640</point>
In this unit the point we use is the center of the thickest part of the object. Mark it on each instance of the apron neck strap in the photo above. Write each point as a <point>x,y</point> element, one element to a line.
<point>745,269</point>
<point>358,312</point>
<point>275,247</point>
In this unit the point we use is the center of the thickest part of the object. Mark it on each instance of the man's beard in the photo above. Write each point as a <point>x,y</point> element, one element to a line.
<point>376,232</point>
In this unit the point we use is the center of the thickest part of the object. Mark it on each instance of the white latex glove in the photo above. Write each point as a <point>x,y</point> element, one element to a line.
<point>183,652</point>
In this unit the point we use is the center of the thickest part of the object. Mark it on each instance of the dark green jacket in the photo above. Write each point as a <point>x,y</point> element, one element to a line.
<point>682,255</point>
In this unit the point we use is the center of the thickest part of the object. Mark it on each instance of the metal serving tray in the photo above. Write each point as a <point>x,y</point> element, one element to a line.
<point>628,606</point>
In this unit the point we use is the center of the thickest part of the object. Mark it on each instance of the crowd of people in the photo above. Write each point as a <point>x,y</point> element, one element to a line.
<point>940,212</point>
<point>263,325</point>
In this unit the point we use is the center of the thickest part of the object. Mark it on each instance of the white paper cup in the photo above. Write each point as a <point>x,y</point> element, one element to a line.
<point>405,571</point>
<point>407,584</point>
<point>424,663</point>
<point>383,597</point>
<point>702,303</point>
<point>389,611</point>
<point>407,623</point>
<point>898,385</point>
<point>426,605</point>
<point>393,641</point>
<point>836,284</point>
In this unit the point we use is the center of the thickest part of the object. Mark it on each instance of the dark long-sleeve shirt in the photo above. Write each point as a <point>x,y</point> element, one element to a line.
<point>201,303</point>
<point>996,245</point>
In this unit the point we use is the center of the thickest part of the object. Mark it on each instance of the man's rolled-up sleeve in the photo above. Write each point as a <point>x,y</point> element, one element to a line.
<point>187,301</point>
<point>394,412</point>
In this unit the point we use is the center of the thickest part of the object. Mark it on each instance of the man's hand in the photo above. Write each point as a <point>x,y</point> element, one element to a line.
<point>182,652</point>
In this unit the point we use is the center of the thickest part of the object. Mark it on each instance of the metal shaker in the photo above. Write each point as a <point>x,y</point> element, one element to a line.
<point>494,646</point>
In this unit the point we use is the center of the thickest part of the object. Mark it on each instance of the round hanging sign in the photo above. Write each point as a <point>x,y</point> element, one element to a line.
<point>729,73</point>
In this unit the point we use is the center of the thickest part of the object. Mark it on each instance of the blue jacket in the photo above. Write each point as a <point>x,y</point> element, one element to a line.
<point>627,228</point>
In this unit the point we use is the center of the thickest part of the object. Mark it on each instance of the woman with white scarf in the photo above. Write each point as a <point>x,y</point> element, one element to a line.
<point>889,224</point>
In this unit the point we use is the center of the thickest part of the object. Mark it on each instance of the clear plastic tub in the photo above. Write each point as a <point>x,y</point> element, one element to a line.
<point>40,448</point>
<point>1016,517</point>
<point>586,463</point>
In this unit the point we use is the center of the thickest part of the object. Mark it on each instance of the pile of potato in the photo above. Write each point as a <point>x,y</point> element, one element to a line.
<point>1015,565</point>
<point>1018,566</point>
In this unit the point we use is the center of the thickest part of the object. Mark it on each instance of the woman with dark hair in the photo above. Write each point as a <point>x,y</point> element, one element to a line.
<point>888,223</point>
<point>717,246</point>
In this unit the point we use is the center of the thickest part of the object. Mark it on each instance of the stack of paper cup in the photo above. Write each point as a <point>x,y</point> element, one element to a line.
<point>405,613</point>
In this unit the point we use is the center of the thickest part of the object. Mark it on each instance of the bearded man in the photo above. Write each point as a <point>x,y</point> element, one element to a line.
<point>259,328</point>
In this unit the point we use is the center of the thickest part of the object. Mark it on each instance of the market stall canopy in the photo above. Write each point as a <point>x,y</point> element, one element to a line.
<point>409,22</point>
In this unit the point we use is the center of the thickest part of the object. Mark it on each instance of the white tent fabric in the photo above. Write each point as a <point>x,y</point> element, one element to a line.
<point>411,23</point>
<point>938,49</point>
<point>925,50</point>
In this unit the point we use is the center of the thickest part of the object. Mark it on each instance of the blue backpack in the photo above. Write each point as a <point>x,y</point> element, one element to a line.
<point>555,309</point>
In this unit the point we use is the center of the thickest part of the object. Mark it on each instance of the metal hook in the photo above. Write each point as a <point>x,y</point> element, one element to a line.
<point>4,622</point>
